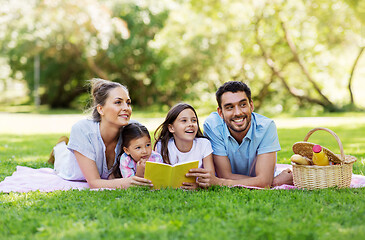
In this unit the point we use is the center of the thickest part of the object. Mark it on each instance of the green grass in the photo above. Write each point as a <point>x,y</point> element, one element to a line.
<point>216,213</point>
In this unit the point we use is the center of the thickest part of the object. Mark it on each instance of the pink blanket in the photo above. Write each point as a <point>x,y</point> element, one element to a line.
<point>26,179</point>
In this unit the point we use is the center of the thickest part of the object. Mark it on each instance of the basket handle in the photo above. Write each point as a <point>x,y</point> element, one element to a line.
<point>333,134</point>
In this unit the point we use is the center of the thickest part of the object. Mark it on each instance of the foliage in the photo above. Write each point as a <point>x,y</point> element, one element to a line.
<point>282,49</point>
<point>77,43</point>
<point>65,35</point>
<point>131,61</point>
<point>359,8</point>
<point>293,54</point>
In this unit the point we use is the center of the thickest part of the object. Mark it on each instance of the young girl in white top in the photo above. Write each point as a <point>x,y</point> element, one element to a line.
<point>179,139</point>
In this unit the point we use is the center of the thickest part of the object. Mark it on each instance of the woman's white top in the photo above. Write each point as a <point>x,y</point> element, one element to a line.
<point>201,148</point>
<point>85,138</point>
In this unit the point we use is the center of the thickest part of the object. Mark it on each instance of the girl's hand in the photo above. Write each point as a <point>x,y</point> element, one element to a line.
<point>189,186</point>
<point>137,181</point>
<point>141,165</point>
<point>205,178</point>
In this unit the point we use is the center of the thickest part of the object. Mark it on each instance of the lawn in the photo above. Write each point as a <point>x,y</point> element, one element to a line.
<point>216,213</point>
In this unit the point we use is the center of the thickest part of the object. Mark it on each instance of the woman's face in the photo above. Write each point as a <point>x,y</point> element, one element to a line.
<point>117,109</point>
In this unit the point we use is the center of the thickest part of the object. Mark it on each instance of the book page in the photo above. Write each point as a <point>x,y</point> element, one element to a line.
<point>179,171</point>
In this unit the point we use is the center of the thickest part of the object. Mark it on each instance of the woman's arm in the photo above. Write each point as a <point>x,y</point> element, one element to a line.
<point>91,174</point>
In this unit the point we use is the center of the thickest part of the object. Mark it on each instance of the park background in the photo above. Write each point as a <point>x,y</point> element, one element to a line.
<point>304,61</point>
<point>293,54</point>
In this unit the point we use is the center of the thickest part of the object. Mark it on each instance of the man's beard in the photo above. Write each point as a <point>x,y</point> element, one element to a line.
<point>232,126</point>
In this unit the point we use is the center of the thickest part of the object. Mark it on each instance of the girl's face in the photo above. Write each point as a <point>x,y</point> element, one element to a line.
<point>139,149</point>
<point>185,126</point>
<point>117,109</point>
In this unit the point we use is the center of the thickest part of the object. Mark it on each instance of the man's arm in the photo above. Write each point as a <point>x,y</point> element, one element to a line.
<point>223,168</point>
<point>265,166</point>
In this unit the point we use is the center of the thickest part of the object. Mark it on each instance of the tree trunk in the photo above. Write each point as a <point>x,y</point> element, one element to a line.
<point>293,49</point>
<point>264,92</point>
<point>352,102</point>
<point>275,70</point>
<point>95,69</point>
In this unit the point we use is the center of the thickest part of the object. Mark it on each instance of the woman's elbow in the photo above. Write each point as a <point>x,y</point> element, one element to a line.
<point>93,184</point>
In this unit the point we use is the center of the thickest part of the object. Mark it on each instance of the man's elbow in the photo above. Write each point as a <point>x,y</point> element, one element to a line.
<point>264,182</point>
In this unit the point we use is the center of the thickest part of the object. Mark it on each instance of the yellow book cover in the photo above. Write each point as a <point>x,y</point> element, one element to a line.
<point>163,175</point>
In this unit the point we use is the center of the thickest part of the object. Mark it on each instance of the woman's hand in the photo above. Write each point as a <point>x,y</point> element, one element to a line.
<point>204,177</point>
<point>136,181</point>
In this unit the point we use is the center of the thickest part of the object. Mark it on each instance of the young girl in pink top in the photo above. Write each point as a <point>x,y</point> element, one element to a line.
<point>179,139</point>
<point>137,150</point>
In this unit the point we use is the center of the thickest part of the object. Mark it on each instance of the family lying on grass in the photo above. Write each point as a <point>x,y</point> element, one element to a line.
<point>238,146</point>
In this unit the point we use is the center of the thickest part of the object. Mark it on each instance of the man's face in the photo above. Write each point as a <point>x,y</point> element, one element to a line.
<point>236,112</point>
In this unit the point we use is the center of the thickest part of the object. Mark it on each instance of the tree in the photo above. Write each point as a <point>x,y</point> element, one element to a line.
<point>278,47</point>
<point>85,39</point>
<point>359,9</point>
<point>132,61</point>
<point>67,35</point>
<point>291,53</point>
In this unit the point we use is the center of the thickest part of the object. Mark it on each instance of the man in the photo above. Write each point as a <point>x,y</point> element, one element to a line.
<point>244,143</point>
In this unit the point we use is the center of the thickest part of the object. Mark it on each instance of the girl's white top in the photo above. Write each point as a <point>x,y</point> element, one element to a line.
<point>200,149</point>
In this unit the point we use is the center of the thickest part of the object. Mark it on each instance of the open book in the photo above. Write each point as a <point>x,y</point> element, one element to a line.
<point>163,175</point>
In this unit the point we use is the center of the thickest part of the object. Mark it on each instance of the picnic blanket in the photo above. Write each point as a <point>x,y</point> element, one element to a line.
<point>26,179</point>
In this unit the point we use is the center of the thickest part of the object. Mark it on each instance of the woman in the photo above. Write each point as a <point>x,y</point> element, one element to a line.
<point>95,144</point>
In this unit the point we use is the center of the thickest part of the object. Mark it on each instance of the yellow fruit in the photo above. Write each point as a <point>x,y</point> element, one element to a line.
<point>298,159</point>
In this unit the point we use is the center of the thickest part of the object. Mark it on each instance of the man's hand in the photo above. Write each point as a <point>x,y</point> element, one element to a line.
<point>285,177</point>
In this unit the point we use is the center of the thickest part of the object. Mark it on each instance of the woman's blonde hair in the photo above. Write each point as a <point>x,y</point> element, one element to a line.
<point>100,89</point>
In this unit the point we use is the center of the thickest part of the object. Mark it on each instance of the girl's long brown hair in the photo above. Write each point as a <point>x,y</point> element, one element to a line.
<point>163,134</point>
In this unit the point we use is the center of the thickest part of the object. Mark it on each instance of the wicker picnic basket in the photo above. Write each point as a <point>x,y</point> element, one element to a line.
<point>318,177</point>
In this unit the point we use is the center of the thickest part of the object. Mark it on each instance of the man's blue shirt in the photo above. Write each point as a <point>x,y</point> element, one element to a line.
<point>262,137</point>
